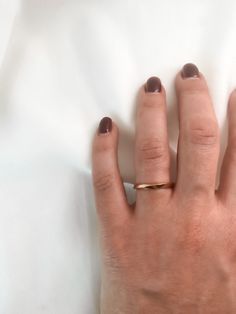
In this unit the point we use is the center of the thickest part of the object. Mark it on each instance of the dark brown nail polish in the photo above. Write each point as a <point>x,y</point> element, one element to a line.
<point>189,70</point>
<point>153,85</point>
<point>105,125</point>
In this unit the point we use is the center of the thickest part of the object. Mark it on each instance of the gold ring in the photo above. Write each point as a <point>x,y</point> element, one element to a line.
<point>153,186</point>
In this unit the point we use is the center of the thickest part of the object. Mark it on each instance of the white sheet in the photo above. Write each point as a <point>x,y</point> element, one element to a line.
<point>63,66</point>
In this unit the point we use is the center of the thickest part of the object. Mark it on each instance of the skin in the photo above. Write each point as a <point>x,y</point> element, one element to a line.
<point>174,250</point>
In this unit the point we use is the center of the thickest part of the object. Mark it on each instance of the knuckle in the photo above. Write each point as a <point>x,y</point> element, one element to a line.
<point>204,134</point>
<point>194,241</point>
<point>117,249</point>
<point>193,238</point>
<point>200,191</point>
<point>103,182</point>
<point>153,150</point>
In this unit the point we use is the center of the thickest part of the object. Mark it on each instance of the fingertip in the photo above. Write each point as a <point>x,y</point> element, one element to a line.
<point>189,71</point>
<point>152,88</point>
<point>190,78</point>
<point>105,126</point>
<point>106,135</point>
<point>153,85</point>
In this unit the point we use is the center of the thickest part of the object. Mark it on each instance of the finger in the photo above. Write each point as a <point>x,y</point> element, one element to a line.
<point>198,149</point>
<point>109,190</point>
<point>227,186</point>
<point>152,157</point>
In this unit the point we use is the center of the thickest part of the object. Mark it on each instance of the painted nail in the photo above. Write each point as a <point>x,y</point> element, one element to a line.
<point>189,70</point>
<point>153,85</point>
<point>105,125</point>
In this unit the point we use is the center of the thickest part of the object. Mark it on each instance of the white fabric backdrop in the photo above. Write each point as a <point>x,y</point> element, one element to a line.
<point>64,64</point>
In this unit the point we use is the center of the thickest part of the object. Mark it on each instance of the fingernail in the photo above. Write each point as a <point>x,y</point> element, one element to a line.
<point>189,70</point>
<point>153,85</point>
<point>105,125</point>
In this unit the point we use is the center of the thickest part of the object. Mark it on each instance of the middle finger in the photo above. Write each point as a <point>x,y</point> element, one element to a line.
<point>198,149</point>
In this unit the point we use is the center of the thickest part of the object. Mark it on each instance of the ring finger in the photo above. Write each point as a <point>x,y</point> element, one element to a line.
<point>152,156</point>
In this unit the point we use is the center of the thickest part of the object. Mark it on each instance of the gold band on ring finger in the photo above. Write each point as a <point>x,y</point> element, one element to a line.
<point>153,186</point>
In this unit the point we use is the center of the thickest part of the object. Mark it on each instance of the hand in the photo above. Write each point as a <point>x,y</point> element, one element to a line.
<point>174,250</point>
